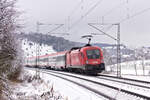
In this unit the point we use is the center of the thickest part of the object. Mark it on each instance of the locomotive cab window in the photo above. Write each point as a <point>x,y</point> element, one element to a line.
<point>93,54</point>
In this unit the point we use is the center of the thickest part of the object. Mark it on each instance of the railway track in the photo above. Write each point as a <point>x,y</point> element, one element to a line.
<point>133,80</point>
<point>142,84</point>
<point>118,92</point>
<point>106,97</point>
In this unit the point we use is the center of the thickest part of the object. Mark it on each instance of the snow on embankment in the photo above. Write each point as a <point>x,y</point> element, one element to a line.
<point>30,48</point>
<point>140,67</point>
<point>35,88</point>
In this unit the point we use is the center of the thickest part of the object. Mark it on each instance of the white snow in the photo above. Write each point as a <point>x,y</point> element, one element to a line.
<point>33,88</point>
<point>66,90</point>
<point>30,48</point>
<point>72,91</point>
<point>140,67</point>
<point>110,83</point>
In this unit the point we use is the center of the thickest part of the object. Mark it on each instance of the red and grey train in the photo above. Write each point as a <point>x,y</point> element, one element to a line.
<point>87,59</point>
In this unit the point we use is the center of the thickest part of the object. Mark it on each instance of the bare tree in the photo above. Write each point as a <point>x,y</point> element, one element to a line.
<point>9,59</point>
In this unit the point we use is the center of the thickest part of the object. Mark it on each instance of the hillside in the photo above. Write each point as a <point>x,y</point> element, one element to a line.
<point>58,43</point>
<point>109,50</point>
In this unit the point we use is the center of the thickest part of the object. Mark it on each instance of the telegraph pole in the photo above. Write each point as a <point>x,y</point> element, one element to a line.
<point>37,51</point>
<point>118,52</point>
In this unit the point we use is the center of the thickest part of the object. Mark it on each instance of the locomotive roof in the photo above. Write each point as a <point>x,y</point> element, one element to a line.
<point>83,48</point>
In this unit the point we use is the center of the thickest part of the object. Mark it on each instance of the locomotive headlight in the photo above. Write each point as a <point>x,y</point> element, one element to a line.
<point>87,62</point>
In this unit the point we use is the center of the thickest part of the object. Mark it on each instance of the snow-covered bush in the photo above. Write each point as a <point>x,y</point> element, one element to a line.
<point>35,88</point>
<point>9,53</point>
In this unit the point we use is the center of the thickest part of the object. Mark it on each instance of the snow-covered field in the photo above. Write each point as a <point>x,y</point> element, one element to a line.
<point>140,67</point>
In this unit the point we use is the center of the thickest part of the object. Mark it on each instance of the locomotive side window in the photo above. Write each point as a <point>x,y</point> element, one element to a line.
<point>93,54</point>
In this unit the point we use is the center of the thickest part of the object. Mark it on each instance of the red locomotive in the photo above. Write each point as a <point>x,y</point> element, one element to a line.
<point>83,59</point>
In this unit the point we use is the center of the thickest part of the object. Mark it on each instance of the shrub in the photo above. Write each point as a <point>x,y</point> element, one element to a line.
<point>9,51</point>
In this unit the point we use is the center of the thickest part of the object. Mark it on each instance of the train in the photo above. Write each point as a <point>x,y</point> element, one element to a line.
<point>86,59</point>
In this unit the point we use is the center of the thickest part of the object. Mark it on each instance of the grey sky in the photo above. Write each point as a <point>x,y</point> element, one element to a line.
<point>134,32</point>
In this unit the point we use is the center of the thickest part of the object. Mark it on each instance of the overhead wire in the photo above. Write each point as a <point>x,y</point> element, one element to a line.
<point>59,25</point>
<point>128,17</point>
<point>88,12</point>
<point>102,32</point>
<point>115,7</point>
<point>109,12</point>
<point>134,15</point>
<point>72,13</point>
<point>92,8</point>
<point>123,20</point>
<point>75,9</point>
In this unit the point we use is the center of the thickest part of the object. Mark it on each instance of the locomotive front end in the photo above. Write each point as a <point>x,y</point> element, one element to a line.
<point>94,62</point>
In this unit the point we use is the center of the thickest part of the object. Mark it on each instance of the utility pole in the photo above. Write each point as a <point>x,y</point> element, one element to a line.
<point>135,60</point>
<point>38,24</point>
<point>116,39</point>
<point>37,51</point>
<point>118,52</point>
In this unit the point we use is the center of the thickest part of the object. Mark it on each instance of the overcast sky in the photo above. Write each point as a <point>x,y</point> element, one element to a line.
<point>76,14</point>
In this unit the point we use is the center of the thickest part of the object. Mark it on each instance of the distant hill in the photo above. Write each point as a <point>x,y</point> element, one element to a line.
<point>109,50</point>
<point>58,43</point>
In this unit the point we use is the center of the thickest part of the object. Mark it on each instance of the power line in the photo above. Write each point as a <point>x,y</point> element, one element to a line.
<point>75,8</point>
<point>128,17</point>
<point>112,9</point>
<point>88,12</point>
<point>59,25</point>
<point>72,12</point>
<point>115,7</point>
<point>134,15</point>
<point>107,29</point>
<point>103,32</point>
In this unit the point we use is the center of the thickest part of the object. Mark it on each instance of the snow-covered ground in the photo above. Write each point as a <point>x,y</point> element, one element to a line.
<point>108,91</point>
<point>139,70</point>
<point>34,88</point>
<point>49,87</point>
<point>140,67</point>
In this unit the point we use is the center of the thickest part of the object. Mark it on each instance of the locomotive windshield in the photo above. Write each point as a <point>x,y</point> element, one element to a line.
<point>93,54</point>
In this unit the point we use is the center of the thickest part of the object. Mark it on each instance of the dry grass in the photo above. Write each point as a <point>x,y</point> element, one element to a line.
<point>14,76</point>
